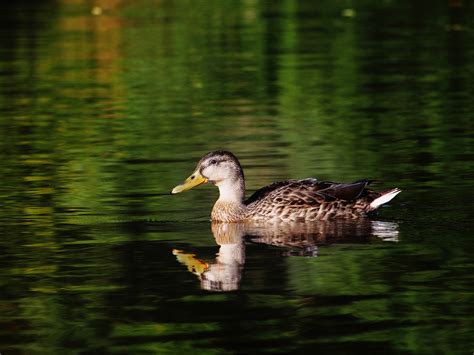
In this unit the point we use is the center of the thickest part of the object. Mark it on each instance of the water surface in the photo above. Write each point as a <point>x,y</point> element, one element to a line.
<point>101,115</point>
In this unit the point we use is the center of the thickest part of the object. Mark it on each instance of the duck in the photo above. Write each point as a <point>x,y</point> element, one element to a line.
<point>303,200</point>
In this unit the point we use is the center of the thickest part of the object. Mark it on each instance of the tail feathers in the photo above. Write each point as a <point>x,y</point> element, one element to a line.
<point>386,197</point>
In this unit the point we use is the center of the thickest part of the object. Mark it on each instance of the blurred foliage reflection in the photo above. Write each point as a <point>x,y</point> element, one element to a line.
<point>106,104</point>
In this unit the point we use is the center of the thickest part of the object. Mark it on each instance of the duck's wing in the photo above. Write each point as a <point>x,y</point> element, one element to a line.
<point>308,192</point>
<point>348,192</point>
<point>263,192</point>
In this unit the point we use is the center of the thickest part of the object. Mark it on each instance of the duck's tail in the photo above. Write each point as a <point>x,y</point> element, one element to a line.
<point>385,197</point>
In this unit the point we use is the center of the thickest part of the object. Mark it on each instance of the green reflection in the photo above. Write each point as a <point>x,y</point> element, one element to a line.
<point>102,114</point>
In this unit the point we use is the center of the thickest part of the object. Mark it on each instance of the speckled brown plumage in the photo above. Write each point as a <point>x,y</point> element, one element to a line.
<point>228,212</point>
<point>310,200</point>
<point>287,201</point>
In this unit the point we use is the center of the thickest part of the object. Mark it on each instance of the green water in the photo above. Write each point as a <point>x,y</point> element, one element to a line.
<point>101,115</point>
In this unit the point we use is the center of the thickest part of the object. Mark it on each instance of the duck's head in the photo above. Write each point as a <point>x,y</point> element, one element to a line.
<point>220,168</point>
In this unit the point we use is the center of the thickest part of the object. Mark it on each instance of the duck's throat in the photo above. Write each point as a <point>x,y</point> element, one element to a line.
<point>230,205</point>
<point>231,191</point>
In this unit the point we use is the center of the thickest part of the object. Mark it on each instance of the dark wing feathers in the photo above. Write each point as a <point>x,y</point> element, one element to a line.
<point>309,192</point>
<point>347,192</point>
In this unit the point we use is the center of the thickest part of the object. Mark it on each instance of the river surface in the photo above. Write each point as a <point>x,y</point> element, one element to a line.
<point>106,105</point>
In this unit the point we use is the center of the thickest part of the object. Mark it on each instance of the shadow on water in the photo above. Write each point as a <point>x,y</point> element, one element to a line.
<point>296,239</point>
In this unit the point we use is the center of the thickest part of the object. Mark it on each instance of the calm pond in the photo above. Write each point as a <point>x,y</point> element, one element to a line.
<point>106,105</point>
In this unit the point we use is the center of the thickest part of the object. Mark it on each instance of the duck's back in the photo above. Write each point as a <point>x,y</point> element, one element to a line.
<point>310,199</point>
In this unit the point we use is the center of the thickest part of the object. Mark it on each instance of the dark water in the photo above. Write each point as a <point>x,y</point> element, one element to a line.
<point>102,114</point>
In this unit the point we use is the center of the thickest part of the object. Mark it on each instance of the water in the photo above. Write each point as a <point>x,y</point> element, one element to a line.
<point>101,115</point>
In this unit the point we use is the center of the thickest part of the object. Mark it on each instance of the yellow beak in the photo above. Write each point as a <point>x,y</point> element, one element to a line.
<point>195,265</point>
<point>194,180</point>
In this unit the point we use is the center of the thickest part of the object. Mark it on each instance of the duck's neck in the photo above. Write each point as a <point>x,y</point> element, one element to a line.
<point>230,205</point>
<point>231,191</point>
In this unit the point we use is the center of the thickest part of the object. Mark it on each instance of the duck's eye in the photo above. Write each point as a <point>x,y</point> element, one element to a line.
<point>212,162</point>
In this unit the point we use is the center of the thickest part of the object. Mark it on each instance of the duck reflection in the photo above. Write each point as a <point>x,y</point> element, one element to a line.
<point>225,272</point>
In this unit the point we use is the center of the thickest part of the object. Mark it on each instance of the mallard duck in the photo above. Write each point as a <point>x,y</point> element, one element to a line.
<point>291,200</point>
